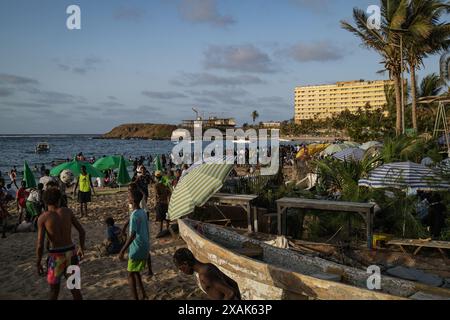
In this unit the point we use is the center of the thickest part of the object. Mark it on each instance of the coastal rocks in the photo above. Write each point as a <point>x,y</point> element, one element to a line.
<point>141,131</point>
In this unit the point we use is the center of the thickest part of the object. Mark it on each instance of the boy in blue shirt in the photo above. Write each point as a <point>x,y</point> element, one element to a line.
<point>137,243</point>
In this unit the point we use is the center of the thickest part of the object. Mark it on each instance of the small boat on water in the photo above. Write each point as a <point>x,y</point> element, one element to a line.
<point>265,272</point>
<point>42,147</point>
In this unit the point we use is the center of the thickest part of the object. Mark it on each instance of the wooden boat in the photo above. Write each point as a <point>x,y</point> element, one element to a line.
<point>42,147</point>
<point>265,272</point>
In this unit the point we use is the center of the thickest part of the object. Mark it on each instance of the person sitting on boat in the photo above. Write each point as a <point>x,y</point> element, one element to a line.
<point>213,282</point>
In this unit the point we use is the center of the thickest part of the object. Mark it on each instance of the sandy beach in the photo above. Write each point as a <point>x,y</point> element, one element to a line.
<point>102,278</point>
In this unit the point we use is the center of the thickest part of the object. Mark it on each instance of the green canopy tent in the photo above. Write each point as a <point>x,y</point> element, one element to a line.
<point>28,176</point>
<point>123,177</point>
<point>110,162</point>
<point>75,167</point>
<point>195,189</point>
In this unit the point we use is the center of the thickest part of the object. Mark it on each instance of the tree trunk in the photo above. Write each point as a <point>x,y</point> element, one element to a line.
<point>398,104</point>
<point>414,96</point>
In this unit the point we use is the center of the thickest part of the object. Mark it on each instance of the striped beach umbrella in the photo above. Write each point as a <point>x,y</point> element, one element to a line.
<point>405,176</point>
<point>355,154</point>
<point>196,188</point>
<point>371,144</point>
<point>212,160</point>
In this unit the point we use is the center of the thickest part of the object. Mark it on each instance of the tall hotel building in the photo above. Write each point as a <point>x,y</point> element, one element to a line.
<point>323,101</point>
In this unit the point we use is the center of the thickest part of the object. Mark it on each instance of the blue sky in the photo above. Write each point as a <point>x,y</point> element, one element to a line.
<point>152,61</point>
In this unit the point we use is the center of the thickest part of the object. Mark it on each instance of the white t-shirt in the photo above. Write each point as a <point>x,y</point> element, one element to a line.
<point>46,179</point>
<point>34,196</point>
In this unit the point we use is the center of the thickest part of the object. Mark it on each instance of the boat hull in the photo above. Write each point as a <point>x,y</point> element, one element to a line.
<point>258,280</point>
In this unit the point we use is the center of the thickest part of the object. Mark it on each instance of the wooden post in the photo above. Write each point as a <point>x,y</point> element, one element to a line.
<point>279,219</point>
<point>369,217</point>
<point>249,217</point>
<point>255,219</point>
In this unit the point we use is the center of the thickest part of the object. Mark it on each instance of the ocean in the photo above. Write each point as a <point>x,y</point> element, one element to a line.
<point>15,149</point>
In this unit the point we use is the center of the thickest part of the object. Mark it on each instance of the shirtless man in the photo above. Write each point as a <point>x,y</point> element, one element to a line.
<point>57,224</point>
<point>212,281</point>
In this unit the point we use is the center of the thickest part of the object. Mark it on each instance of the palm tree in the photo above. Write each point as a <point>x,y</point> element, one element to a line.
<point>255,115</point>
<point>425,36</point>
<point>430,86</point>
<point>384,41</point>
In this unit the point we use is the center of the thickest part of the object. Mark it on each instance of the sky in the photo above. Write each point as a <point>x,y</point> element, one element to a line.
<point>152,61</point>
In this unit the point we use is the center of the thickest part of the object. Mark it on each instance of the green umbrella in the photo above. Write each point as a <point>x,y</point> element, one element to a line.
<point>75,167</point>
<point>111,162</point>
<point>28,176</point>
<point>195,189</point>
<point>157,162</point>
<point>123,177</point>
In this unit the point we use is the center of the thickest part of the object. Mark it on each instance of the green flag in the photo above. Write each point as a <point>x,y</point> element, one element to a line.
<point>28,176</point>
<point>123,177</point>
<point>157,162</point>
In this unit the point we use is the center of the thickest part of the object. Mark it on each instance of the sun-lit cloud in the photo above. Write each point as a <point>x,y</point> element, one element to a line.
<point>238,58</point>
<point>204,11</point>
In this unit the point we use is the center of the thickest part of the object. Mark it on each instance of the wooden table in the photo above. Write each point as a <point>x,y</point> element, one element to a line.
<point>241,200</point>
<point>439,245</point>
<point>366,210</point>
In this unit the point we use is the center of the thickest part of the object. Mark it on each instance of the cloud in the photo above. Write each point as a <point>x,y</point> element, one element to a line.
<point>315,6</point>
<point>111,104</point>
<point>167,95</point>
<point>10,79</point>
<point>321,51</point>
<point>223,96</point>
<point>204,11</point>
<point>80,67</point>
<point>112,98</point>
<point>241,58</point>
<point>27,105</point>
<point>144,110</point>
<point>6,92</point>
<point>205,100</point>
<point>53,97</point>
<point>128,14</point>
<point>207,79</point>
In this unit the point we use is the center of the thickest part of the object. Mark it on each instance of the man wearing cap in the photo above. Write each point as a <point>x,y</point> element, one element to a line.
<point>162,197</point>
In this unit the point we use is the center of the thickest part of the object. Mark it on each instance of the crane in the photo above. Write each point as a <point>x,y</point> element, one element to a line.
<point>196,113</point>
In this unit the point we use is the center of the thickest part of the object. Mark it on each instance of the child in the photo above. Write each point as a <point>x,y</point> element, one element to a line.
<point>138,242</point>
<point>213,282</point>
<point>34,203</point>
<point>21,200</point>
<point>113,242</point>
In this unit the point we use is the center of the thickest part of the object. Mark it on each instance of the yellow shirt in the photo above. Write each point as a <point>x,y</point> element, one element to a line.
<point>84,182</point>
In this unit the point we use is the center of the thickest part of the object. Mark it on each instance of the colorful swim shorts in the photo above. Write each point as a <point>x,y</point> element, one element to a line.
<point>58,261</point>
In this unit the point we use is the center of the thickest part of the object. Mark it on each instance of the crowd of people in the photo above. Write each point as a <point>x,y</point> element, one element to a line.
<point>45,209</point>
